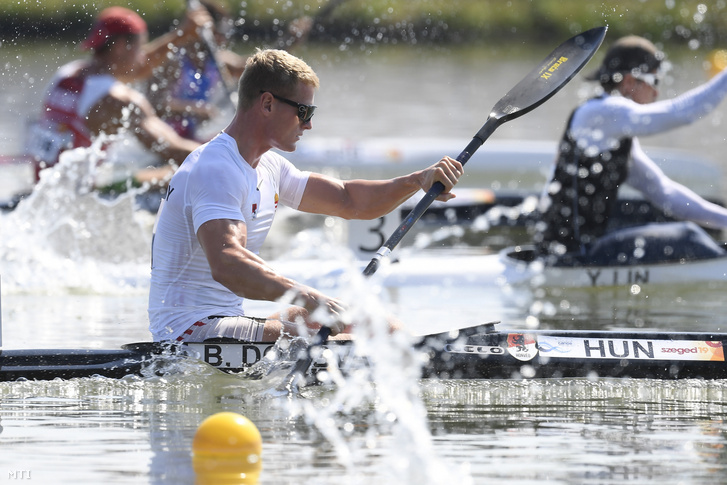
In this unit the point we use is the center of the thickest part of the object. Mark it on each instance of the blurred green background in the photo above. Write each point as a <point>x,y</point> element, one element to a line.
<point>690,23</point>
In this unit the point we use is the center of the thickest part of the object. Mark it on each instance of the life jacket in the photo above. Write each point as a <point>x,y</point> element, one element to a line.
<point>60,127</point>
<point>582,195</point>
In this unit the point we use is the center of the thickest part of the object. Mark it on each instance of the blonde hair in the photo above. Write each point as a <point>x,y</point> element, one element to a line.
<point>275,71</point>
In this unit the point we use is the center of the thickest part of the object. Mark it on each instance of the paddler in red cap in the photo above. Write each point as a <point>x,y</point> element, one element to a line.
<point>88,97</point>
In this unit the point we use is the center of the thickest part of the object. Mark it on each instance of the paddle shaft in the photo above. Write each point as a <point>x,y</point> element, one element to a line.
<point>301,367</point>
<point>538,86</point>
<point>477,141</point>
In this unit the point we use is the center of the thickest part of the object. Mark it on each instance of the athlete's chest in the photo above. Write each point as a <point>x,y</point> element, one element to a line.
<point>264,198</point>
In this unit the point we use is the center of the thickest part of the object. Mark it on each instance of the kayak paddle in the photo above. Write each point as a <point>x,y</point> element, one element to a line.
<point>537,87</point>
<point>554,72</point>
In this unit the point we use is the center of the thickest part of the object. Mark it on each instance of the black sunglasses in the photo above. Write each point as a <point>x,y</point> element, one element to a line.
<point>305,111</point>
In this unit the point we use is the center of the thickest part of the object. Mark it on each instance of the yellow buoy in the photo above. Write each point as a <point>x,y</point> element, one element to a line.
<point>717,61</point>
<point>227,448</point>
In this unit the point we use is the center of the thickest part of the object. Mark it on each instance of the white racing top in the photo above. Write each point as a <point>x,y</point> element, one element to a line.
<point>214,182</point>
<point>600,122</point>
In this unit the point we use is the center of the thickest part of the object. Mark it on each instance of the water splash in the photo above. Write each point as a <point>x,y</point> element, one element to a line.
<point>380,388</point>
<point>65,237</point>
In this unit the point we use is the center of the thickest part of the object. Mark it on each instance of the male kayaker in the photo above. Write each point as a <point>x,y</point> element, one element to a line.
<point>600,152</point>
<point>221,202</point>
<point>90,96</point>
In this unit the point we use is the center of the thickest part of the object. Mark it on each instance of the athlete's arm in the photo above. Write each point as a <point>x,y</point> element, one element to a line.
<point>369,199</point>
<point>602,121</point>
<point>672,197</point>
<point>247,275</point>
<point>126,108</point>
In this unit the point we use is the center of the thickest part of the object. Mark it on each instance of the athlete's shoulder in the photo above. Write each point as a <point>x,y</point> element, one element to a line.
<point>275,162</point>
<point>604,107</point>
<point>71,68</point>
<point>613,102</point>
<point>271,156</point>
<point>220,150</point>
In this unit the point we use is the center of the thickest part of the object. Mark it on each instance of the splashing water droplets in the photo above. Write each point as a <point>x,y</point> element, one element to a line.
<point>64,236</point>
<point>379,386</point>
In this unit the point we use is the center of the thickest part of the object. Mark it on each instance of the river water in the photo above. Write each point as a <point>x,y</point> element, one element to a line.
<point>75,275</point>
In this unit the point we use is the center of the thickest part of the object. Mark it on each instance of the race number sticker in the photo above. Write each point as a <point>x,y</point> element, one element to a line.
<point>230,356</point>
<point>522,346</point>
<point>366,237</point>
<point>631,349</point>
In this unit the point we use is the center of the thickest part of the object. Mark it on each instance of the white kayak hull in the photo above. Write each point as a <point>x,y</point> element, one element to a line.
<point>535,273</point>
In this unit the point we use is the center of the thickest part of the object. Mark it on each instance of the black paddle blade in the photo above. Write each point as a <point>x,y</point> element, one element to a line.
<point>550,75</point>
<point>537,87</point>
